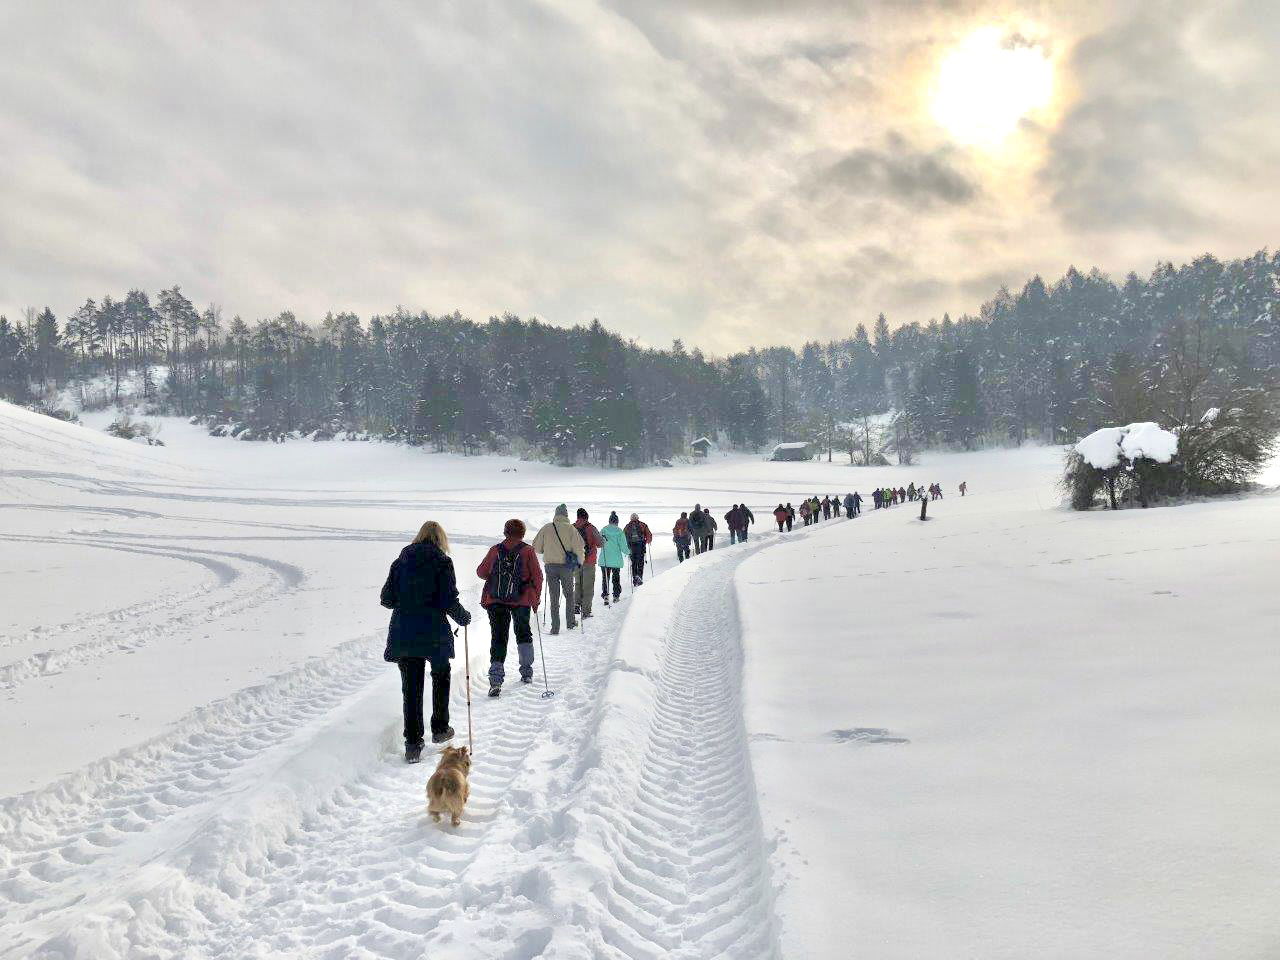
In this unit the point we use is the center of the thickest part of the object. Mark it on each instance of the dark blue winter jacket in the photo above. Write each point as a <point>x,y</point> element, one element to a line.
<point>420,590</point>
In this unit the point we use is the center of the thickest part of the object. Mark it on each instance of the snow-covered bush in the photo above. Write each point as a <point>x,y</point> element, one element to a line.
<point>1136,458</point>
<point>126,428</point>
<point>1225,449</point>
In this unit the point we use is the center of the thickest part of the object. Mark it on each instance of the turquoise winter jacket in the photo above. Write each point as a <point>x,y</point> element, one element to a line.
<point>615,546</point>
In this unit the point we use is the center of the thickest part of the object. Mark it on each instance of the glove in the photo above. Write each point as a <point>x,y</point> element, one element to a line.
<point>462,617</point>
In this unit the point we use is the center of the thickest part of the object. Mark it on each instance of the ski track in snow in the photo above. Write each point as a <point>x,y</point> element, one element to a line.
<point>667,836</point>
<point>244,581</point>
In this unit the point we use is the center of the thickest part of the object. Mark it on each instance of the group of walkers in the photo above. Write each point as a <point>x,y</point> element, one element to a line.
<point>816,509</point>
<point>695,530</point>
<point>422,593</point>
<point>891,497</point>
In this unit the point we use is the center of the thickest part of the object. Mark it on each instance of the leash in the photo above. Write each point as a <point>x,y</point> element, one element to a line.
<point>466,653</point>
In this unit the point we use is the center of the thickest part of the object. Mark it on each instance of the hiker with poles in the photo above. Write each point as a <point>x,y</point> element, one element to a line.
<point>562,550</point>
<point>781,515</point>
<point>611,554</point>
<point>512,589</point>
<point>638,540</point>
<point>420,590</point>
<point>586,580</point>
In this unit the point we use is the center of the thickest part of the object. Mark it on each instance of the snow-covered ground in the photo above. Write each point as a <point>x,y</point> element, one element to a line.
<point>1011,731</point>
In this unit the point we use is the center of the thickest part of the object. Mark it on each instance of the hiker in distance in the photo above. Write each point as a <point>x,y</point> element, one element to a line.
<point>781,515</point>
<point>420,590</point>
<point>512,590</point>
<point>562,550</point>
<point>738,518</point>
<point>611,554</point>
<point>698,528</point>
<point>710,527</point>
<point>585,585</point>
<point>681,537</point>
<point>638,540</point>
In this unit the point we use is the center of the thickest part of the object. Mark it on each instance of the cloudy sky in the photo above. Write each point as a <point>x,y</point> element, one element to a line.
<point>726,171</point>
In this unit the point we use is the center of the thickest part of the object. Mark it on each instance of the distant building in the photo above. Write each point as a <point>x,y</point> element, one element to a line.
<point>701,447</point>
<point>791,451</point>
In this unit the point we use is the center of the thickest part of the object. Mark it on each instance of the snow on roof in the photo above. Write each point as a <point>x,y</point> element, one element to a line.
<point>791,446</point>
<point>701,440</point>
<point>1103,448</point>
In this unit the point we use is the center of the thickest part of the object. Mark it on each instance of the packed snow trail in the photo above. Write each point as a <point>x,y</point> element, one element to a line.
<point>285,823</point>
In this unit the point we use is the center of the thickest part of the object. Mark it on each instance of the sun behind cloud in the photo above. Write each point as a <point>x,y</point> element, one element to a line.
<point>988,84</point>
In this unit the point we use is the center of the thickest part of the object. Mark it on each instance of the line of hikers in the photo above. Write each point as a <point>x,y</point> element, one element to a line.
<point>421,588</point>
<point>815,509</point>
<point>890,497</point>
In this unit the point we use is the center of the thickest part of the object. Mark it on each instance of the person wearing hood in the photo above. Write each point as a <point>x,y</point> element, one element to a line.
<point>512,590</point>
<point>562,551</point>
<point>710,526</point>
<point>420,591</point>
<point>611,553</point>
<point>638,539</point>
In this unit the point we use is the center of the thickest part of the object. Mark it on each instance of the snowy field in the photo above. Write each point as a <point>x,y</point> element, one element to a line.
<point>1010,732</point>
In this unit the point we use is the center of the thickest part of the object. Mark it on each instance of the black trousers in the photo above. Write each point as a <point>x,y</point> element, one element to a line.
<point>790,520</point>
<point>682,550</point>
<point>413,678</point>
<point>607,574</point>
<point>501,618</point>
<point>637,564</point>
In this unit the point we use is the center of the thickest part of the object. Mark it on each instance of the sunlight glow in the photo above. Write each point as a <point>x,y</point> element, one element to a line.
<point>988,84</point>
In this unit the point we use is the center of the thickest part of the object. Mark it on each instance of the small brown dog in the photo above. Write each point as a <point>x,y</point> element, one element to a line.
<point>448,789</point>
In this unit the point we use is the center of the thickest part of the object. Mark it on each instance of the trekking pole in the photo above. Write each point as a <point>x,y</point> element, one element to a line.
<point>466,653</point>
<point>546,595</point>
<point>547,692</point>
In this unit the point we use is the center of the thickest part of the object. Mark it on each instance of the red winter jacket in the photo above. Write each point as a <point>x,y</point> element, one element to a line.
<point>591,537</point>
<point>781,514</point>
<point>532,593</point>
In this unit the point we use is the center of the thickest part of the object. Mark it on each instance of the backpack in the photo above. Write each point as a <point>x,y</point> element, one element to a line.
<point>507,578</point>
<point>570,558</point>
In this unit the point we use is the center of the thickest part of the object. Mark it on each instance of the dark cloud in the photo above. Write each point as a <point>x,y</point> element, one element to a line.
<point>916,178</point>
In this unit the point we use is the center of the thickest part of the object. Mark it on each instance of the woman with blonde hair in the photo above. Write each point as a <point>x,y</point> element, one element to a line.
<point>420,590</point>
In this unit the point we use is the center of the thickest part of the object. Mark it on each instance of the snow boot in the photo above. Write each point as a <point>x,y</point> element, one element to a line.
<point>444,736</point>
<point>526,679</point>
<point>495,690</point>
<point>412,753</point>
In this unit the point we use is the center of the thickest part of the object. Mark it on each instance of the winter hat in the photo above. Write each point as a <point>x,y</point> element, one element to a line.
<point>582,513</point>
<point>635,516</point>
<point>613,516</point>
<point>562,511</point>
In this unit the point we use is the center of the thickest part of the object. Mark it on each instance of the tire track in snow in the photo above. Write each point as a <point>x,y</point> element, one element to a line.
<point>649,848</point>
<point>86,829</point>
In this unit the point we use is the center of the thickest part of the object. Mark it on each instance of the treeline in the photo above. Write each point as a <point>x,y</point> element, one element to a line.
<point>1049,363</point>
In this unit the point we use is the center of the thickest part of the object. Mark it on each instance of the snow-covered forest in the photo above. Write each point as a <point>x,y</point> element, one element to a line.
<point>1048,363</point>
